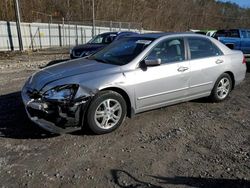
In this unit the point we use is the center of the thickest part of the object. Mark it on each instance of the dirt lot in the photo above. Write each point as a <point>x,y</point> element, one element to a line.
<point>197,144</point>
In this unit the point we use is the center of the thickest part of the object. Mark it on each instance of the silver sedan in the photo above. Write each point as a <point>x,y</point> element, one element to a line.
<point>132,75</point>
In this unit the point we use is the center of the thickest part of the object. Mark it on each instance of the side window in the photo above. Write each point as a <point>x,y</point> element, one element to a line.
<point>244,34</point>
<point>201,48</point>
<point>171,50</point>
<point>220,33</point>
<point>248,33</point>
<point>234,33</point>
<point>98,40</point>
<point>108,39</point>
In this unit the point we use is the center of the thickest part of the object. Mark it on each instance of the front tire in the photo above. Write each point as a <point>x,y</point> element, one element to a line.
<point>106,112</point>
<point>222,88</point>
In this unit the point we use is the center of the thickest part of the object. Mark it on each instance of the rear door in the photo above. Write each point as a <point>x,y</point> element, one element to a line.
<point>206,64</point>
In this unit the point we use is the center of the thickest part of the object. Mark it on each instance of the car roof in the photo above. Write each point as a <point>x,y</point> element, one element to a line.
<point>108,33</point>
<point>117,32</point>
<point>158,35</point>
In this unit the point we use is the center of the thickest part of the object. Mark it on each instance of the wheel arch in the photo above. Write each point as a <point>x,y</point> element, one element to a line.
<point>232,78</point>
<point>230,45</point>
<point>123,93</point>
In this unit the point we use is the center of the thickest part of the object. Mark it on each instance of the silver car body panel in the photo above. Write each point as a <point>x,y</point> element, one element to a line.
<point>152,88</point>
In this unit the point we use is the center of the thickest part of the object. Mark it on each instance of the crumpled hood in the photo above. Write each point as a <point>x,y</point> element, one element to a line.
<point>63,70</point>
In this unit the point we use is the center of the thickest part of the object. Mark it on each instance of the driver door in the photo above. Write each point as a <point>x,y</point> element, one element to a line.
<point>164,84</point>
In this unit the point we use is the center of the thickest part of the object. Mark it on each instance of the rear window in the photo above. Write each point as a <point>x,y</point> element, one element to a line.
<point>201,48</point>
<point>233,33</point>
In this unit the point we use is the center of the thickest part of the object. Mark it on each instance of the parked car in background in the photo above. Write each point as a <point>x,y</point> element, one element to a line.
<point>203,32</point>
<point>210,33</point>
<point>237,39</point>
<point>97,43</point>
<point>198,31</point>
<point>131,75</point>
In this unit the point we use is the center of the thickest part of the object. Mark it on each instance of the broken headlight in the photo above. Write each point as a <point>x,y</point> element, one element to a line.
<point>61,93</point>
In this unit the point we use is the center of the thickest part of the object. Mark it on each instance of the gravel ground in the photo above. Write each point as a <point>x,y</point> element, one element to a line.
<point>193,144</point>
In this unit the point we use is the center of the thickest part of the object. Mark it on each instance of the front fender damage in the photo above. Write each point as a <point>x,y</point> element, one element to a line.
<point>61,116</point>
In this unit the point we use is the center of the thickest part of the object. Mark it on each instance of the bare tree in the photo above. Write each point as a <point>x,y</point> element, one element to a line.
<point>164,15</point>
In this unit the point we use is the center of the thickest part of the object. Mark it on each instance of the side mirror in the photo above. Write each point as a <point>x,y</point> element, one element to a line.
<point>152,62</point>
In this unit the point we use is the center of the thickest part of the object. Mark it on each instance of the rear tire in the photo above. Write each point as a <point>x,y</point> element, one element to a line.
<point>106,112</point>
<point>222,88</point>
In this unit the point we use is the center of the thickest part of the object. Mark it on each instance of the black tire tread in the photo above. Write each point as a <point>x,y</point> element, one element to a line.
<point>213,96</point>
<point>95,102</point>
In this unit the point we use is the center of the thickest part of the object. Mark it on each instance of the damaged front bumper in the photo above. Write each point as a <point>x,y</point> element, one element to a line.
<point>56,117</point>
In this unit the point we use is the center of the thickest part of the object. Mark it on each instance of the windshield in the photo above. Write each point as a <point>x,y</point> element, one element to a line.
<point>103,39</point>
<point>123,51</point>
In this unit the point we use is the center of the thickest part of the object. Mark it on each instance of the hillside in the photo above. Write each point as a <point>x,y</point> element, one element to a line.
<point>165,15</point>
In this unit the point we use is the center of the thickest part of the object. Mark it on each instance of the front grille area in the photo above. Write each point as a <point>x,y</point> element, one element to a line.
<point>40,114</point>
<point>51,116</point>
<point>33,94</point>
<point>59,114</point>
<point>63,115</point>
<point>77,52</point>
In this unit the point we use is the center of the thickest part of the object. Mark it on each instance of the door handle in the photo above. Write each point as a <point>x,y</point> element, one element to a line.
<point>219,61</point>
<point>182,69</point>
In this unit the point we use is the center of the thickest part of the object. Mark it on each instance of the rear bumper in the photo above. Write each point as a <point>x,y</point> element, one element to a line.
<point>54,117</point>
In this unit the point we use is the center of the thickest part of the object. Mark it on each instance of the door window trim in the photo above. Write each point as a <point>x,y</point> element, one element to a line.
<point>174,37</point>
<point>196,37</point>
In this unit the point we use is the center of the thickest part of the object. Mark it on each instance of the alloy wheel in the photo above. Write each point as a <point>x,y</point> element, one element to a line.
<point>223,88</point>
<point>108,113</point>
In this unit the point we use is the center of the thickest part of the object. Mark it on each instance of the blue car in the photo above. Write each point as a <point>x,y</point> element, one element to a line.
<point>236,39</point>
<point>97,43</point>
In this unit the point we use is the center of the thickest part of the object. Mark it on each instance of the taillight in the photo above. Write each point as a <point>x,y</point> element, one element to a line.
<point>244,60</point>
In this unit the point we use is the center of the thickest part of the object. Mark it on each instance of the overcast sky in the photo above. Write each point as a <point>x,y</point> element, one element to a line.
<point>242,3</point>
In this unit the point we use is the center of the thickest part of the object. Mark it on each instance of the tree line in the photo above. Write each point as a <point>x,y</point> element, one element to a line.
<point>162,15</point>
